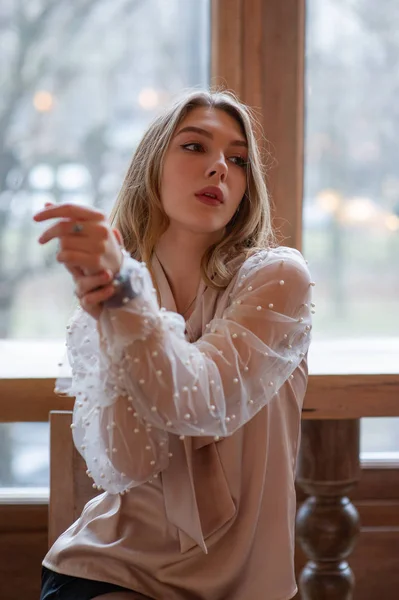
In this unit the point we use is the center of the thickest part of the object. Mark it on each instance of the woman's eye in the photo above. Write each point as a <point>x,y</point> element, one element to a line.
<point>193,147</point>
<point>238,160</point>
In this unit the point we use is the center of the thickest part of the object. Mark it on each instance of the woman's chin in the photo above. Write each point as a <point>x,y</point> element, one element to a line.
<point>199,226</point>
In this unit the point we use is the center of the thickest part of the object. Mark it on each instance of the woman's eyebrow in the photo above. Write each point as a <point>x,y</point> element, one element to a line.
<point>209,135</point>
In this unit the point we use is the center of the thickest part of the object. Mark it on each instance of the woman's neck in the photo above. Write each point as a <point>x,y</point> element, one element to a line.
<point>180,254</point>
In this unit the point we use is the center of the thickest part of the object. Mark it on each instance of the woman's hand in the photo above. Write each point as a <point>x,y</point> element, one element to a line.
<point>93,290</point>
<point>86,240</point>
<point>92,255</point>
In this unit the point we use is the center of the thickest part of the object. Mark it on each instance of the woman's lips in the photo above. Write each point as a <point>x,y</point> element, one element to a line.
<point>208,200</point>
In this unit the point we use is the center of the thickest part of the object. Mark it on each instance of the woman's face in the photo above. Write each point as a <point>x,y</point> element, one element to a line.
<point>205,174</point>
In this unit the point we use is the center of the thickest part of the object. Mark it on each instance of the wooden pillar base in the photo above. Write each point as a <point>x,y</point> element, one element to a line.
<point>327,522</point>
<point>325,582</point>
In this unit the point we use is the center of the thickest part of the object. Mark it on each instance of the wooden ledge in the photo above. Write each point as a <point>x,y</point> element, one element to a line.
<point>328,397</point>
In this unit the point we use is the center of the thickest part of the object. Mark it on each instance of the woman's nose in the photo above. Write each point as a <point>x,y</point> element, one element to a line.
<point>218,168</point>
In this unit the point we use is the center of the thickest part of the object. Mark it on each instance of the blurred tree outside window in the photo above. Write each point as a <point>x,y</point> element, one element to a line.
<point>80,82</point>
<point>351,195</point>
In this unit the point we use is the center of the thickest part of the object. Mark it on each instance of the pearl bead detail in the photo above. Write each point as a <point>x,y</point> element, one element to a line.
<point>281,282</point>
<point>258,308</point>
<point>250,288</point>
<point>271,305</point>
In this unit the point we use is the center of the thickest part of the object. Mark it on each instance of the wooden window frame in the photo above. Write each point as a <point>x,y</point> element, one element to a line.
<point>258,50</point>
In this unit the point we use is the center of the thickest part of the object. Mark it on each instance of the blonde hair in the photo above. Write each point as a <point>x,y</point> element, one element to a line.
<point>138,212</point>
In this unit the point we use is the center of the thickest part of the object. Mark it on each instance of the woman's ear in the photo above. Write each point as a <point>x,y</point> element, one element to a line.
<point>118,236</point>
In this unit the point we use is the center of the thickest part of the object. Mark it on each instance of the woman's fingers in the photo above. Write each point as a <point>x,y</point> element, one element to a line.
<point>69,211</point>
<point>86,240</point>
<point>75,271</point>
<point>118,236</point>
<point>93,299</point>
<point>89,263</point>
<point>91,283</point>
<point>99,230</point>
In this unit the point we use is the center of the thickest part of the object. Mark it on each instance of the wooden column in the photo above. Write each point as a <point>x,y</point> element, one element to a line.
<point>327,522</point>
<point>258,52</point>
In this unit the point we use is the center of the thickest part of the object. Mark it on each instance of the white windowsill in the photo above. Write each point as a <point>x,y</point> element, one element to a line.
<point>39,359</point>
<point>379,460</point>
<point>24,495</point>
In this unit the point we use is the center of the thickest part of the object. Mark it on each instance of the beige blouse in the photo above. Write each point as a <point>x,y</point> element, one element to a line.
<point>199,422</point>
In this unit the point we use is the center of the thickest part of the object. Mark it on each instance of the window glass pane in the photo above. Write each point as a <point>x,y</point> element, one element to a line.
<point>80,82</point>
<point>24,455</point>
<point>351,196</point>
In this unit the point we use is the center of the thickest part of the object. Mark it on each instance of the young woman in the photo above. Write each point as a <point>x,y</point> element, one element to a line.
<point>189,360</point>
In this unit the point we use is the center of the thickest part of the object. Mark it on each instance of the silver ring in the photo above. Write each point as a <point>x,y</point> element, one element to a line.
<point>77,228</point>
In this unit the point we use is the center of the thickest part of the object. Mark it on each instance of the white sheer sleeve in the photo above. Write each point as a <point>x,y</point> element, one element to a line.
<point>137,378</point>
<point>107,433</point>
